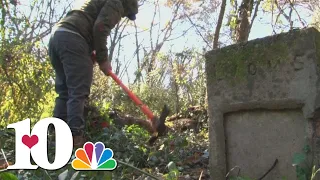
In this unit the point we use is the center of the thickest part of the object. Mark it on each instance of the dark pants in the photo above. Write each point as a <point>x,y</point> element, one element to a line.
<point>70,57</point>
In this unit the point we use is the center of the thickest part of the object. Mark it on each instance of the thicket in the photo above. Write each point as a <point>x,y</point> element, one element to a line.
<point>174,78</point>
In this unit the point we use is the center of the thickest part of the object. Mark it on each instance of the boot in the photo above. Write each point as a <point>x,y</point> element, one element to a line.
<point>79,139</point>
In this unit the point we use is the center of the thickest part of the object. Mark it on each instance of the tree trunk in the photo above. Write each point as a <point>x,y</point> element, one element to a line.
<point>219,24</point>
<point>243,27</point>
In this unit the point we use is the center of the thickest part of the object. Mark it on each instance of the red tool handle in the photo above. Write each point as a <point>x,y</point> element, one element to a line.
<point>134,98</point>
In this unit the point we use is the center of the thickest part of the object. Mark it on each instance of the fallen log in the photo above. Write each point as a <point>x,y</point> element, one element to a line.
<point>121,121</point>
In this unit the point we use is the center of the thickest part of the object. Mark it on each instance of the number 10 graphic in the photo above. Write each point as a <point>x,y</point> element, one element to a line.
<point>35,144</point>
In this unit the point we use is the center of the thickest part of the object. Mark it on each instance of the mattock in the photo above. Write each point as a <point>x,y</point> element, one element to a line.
<point>158,124</point>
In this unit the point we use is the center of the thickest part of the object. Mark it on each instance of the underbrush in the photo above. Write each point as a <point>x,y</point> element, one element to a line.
<point>174,156</point>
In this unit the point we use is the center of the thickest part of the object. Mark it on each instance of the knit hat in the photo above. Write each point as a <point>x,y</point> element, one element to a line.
<point>130,8</point>
<point>132,17</point>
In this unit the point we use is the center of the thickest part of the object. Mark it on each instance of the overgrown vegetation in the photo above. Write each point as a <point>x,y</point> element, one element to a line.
<point>177,153</point>
<point>304,169</point>
<point>175,77</point>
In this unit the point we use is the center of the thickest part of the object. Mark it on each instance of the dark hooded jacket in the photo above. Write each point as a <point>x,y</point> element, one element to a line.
<point>95,19</point>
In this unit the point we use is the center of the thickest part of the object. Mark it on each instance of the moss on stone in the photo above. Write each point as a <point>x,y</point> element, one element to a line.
<point>232,62</point>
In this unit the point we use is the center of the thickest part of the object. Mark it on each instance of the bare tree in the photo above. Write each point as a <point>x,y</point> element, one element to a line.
<point>25,73</point>
<point>219,24</point>
<point>32,22</point>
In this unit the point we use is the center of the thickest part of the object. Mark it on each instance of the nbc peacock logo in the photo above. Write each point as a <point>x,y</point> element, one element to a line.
<point>94,157</point>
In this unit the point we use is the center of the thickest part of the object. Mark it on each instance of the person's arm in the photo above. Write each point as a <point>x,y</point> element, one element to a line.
<point>108,17</point>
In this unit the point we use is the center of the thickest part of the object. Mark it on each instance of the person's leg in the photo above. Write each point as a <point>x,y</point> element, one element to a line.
<point>78,68</point>
<point>60,109</point>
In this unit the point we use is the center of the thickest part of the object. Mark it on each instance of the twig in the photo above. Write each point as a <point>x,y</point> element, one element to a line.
<point>281,11</point>
<point>255,13</point>
<point>274,165</point>
<point>143,172</point>
<point>232,170</point>
<point>292,5</point>
<point>314,172</point>
<point>200,34</point>
<point>201,175</point>
<point>5,158</point>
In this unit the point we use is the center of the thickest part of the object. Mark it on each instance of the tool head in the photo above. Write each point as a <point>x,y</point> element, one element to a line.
<point>159,124</point>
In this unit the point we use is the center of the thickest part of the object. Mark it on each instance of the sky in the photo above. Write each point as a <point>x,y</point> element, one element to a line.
<point>260,29</point>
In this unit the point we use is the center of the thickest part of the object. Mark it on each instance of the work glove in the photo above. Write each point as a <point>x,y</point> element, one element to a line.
<point>105,67</point>
<point>130,9</point>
